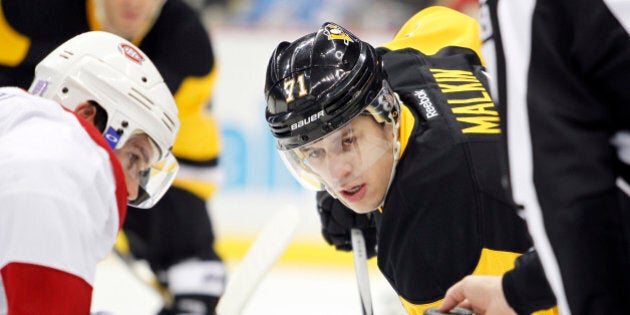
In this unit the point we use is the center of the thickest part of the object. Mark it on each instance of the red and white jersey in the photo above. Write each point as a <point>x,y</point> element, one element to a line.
<point>62,202</point>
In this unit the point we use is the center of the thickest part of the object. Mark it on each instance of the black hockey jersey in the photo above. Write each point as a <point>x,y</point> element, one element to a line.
<point>448,212</point>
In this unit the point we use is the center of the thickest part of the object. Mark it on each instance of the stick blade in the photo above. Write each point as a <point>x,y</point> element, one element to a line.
<point>271,242</point>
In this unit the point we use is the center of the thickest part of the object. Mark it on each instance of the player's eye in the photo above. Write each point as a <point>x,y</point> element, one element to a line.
<point>315,154</point>
<point>348,141</point>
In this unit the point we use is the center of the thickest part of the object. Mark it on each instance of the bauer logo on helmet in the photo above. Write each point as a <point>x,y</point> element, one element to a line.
<point>307,120</point>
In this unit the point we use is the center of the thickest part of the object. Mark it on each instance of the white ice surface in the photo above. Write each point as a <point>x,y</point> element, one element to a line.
<point>287,289</point>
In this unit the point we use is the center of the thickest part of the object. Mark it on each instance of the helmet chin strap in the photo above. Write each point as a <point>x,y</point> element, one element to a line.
<point>395,150</point>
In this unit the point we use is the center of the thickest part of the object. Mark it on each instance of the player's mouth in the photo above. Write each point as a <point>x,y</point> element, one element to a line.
<point>354,193</point>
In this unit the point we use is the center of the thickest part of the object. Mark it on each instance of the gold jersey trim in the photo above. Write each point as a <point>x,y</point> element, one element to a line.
<point>407,121</point>
<point>14,46</point>
<point>428,32</point>
<point>491,263</point>
<point>198,137</point>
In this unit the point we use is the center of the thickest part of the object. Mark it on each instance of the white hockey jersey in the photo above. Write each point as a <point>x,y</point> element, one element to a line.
<point>62,202</point>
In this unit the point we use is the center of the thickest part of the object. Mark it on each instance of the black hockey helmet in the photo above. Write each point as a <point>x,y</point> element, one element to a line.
<point>318,83</point>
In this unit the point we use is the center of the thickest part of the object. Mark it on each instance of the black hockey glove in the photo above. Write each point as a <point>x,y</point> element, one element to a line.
<point>191,304</point>
<point>337,220</point>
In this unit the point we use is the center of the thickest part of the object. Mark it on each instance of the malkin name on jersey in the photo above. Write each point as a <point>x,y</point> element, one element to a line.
<point>469,100</point>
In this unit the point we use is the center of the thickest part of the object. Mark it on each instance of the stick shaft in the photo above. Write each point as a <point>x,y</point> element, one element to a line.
<point>360,266</point>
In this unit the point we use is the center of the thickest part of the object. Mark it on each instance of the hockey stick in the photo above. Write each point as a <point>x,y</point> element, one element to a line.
<point>139,269</point>
<point>261,256</point>
<point>623,185</point>
<point>360,267</point>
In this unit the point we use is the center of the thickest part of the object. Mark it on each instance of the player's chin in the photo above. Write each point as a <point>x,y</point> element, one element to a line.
<point>365,210</point>
<point>363,206</point>
<point>360,201</point>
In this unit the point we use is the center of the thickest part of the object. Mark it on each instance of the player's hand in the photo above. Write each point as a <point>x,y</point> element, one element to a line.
<point>482,294</point>
<point>454,311</point>
<point>337,220</point>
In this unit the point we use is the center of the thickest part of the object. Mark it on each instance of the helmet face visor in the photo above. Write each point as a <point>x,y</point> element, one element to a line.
<point>355,161</point>
<point>147,176</point>
<point>155,181</point>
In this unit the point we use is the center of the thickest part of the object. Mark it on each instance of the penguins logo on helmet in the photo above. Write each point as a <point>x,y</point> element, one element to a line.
<point>334,31</point>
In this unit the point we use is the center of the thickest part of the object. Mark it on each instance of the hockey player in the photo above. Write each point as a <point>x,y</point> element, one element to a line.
<point>562,70</point>
<point>68,174</point>
<point>176,237</point>
<point>408,129</point>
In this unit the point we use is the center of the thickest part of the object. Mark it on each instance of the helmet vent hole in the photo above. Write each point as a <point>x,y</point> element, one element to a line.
<point>141,99</point>
<point>66,54</point>
<point>64,90</point>
<point>124,123</point>
<point>144,79</point>
<point>170,120</point>
<point>168,123</point>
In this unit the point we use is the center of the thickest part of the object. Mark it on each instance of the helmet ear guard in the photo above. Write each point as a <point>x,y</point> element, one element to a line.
<point>109,70</point>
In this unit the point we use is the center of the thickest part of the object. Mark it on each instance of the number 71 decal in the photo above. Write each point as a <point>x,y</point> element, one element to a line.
<point>289,86</point>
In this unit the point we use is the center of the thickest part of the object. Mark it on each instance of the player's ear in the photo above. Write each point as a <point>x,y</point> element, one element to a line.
<point>87,111</point>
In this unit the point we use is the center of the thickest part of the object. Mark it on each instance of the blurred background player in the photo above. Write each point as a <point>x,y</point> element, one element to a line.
<point>409,129</point>
<point>69,173</point>
<point>176,238</point>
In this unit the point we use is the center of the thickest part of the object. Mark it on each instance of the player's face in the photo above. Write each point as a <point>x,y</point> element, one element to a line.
<point>129,18</point>
<point>135,156</point>
<point>355,162</point>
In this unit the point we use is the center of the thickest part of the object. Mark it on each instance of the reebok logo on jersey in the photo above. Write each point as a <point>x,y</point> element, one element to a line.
<point>131,53</point>
<point>427,105</point>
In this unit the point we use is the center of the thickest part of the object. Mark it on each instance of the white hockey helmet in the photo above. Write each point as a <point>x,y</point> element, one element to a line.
<point>111,71</point>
